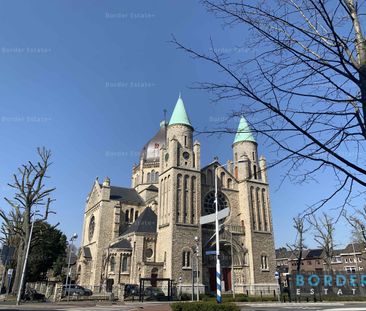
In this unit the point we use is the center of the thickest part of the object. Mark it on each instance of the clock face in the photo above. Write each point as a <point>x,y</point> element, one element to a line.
<point>186,155</point>
<point>91,227</point>
<point>166,156</point>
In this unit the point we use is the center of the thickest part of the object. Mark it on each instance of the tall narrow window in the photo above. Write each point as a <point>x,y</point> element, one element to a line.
<point>131,215</point>
<point>252,204</point>
<point>209,177</point>
<point>257,198</point>
<point>193,200</point>
<point>222,179</point>
<point>179,197</point>
<point>236,172</point>
<point>112,264</point>
<point>185,141</point>
<point>186,259</point>
<point>162,201</point>
<point>264,207</point>
<point>124,264</point>
<point>136,214</point>
<point>185,200</point>
<point>255,171</point>
<point>126,217</point>
<point>148,177</point>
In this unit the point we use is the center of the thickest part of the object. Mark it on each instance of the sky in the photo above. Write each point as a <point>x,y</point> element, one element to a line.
<point>90,80</point>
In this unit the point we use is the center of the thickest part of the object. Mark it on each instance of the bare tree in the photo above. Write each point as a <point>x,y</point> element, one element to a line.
<point>358,223</point>
<point>324,236</point>
<point>31,199</point>
<point>303,82</point>
<point>298,247</point>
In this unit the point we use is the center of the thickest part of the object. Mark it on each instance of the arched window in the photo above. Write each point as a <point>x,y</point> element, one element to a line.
<point>126,216</point>
<point>179,196</point>
<point>257,198</point>
<point>209,177</point>
<point>112,264</point>
<point>124,264</point>
<point>193,199</point>
<point>148,177</point>
<point>229,183</point>
<point>131,215</point>
<point>152,176</point>
<point>209,202</point>
<point>222,179</point>
<point>203,179</point>
<point>136,214</point>
<point>252,205</point>
<point>264,208</point>
<point>255,171</point>
<point>156,176</point>
<point>264,262</point>
<point>236,172</point>
<point>186,259</point>
<point>185,199</point>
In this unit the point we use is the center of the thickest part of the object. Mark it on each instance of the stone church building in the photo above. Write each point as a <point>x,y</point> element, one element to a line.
<point>152,230</point>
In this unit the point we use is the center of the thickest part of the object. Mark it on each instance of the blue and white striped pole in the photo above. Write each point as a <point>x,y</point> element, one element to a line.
<point>218,267</point>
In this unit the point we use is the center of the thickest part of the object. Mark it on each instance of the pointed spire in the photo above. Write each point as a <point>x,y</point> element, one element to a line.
<point>243,133</point>
<point>179,115</point>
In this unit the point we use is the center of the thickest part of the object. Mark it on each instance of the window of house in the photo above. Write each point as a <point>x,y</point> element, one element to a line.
<point>350,269</point>
<point>264,262</point>
<point>186,259</point>
<point>126,216</point>
<point>229,183</point>
<point>124,264</point>
<point>112,264</point>
<point>136,214</point>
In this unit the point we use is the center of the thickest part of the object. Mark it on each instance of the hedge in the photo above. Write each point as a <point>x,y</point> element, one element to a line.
<point>204,306</point>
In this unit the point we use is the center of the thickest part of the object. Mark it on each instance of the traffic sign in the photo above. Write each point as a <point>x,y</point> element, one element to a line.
<point>277,275</point>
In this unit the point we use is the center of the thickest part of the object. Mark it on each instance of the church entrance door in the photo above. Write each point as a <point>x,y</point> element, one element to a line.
<point>225,279</point>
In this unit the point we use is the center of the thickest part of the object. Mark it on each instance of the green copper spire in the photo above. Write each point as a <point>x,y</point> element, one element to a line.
<point>179,115</point>
<point>243,133</point>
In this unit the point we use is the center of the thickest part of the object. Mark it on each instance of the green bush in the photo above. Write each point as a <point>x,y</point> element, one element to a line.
<point>203,306</point>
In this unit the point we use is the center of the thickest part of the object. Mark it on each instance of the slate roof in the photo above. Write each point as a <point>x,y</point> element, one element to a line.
<point>145,223</point>
<point>125,244</point>
<point>126,195</point>
<point>314,254</point>
<point>283,253</point>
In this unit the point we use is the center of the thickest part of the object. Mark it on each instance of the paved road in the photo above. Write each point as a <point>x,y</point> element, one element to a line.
<point>165,307</point>
<point>307,306</point>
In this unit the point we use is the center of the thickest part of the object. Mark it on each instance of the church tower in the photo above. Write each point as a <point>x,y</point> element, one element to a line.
<point>179,198</point>
<point>254,205</point>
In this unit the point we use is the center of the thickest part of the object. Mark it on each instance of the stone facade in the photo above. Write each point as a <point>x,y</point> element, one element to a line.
<point>153,230</point>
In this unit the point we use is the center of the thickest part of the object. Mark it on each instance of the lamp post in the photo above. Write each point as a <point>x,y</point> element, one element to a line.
<point>68,284</point>
<point>218,265</point>
<point>26,257</point>
<point>196,239</point>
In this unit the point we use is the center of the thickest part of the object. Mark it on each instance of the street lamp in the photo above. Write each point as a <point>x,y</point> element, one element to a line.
<point>68,284</point>
<point>218,266</point>
<point>26,258</point>
<point>196,239</point>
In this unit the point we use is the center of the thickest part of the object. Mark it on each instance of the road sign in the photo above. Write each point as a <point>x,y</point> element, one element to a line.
<point>277,275</point>
<point>212,217</point>
<point>210,253</point>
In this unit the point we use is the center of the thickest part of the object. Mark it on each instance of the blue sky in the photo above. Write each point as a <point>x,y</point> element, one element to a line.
<point>90,81</point>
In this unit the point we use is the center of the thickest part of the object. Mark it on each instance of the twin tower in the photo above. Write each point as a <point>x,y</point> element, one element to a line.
<point>186,192</point>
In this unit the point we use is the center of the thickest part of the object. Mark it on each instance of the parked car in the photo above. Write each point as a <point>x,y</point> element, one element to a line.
<point>131,290</point>
<point>73,289</point>
<point>154,293</point>
<point>31,294</point>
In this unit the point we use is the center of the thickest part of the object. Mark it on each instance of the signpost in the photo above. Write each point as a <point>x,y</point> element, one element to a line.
<point>277,277</point>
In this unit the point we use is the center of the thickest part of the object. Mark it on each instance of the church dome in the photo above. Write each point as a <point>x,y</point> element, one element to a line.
<point>151,150</point>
